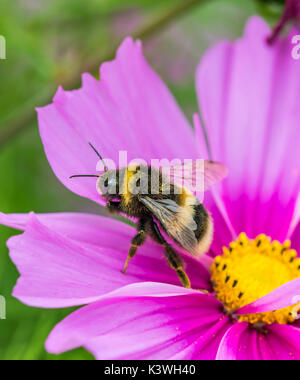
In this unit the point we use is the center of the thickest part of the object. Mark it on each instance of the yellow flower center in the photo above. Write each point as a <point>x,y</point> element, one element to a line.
<point>249,270</point>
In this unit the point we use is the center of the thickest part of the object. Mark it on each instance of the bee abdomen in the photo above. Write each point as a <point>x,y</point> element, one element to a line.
<point>204,231</point>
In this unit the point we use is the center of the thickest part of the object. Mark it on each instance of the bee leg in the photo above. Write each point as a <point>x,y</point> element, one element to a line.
<point>113,207</point>
<point>174,260</point>
<point>136,242</point>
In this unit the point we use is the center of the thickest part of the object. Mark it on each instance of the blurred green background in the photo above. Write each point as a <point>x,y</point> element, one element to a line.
<point>49,42</point>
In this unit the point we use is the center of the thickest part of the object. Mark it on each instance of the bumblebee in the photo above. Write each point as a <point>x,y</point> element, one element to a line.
<point>160,204</point>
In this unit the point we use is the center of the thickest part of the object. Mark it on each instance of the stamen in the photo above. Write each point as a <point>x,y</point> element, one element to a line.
<point>250,269</point>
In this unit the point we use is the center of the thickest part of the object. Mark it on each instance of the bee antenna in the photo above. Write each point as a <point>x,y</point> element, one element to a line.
<point>84,176</point>
<point>99,155</point>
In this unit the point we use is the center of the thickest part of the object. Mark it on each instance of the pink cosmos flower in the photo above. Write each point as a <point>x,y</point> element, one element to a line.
<point>248,94</point>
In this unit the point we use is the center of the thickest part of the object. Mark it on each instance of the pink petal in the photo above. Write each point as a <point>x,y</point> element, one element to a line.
<point>284,296</point>
<point>134,323</point>
<point>296,239</point>
<point>254,129</point>
<point>85,228</point>
<point>74,260</point>
<point>241,342</point>
<point>224,233</point>
<point>130,109</point>
<point>284,341</point>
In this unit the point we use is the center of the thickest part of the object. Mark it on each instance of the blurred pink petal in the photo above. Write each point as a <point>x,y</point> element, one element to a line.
<point>60,271</point>
<point>280,298</point>
<point>132,323</point>
<point>130,109</point>
<point>254,129</point>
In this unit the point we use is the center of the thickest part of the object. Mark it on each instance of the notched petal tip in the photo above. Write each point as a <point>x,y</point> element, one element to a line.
<point>87,79</point>
<point>60,95</point>
<point>128,44</point>
<point>257,26</point>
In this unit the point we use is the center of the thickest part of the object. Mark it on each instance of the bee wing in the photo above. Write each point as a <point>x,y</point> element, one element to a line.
<point>214,172</point>
<point>197,175</point>
<point>176,220</point>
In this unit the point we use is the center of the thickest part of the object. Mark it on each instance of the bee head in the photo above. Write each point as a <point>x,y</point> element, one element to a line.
<point>108,182</point>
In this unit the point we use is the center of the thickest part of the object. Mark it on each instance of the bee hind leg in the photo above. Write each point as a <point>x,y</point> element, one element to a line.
<point>173,258</point>
<point>136,242</point>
